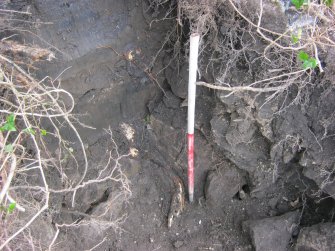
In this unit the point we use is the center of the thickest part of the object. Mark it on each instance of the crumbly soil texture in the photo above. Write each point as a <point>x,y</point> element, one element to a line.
<point>256,188</point>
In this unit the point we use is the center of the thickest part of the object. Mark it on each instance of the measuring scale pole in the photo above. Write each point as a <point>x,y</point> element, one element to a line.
<point>192,78</point>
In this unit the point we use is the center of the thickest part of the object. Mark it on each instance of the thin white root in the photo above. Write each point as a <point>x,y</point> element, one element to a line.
<point>9,179</point>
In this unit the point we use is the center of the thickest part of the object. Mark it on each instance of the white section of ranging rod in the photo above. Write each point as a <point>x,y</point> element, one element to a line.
<point>192,78</point>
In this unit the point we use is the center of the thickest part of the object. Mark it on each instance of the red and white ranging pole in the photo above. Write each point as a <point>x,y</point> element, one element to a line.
<point>192,78</point>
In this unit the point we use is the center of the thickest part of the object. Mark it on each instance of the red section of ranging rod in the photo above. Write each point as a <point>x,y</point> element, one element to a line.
<point>190,171</point>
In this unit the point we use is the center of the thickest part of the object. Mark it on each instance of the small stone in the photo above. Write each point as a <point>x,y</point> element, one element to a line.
<point>242,195</point>
<point>295,203</point>
<point>178,244</point>
<point>184,103</point>
<point>151,240</point>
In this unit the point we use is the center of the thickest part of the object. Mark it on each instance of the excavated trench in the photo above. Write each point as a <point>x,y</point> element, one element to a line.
<point>115,60</point>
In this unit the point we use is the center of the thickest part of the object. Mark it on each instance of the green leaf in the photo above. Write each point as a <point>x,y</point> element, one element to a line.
<point>307,62</point>
<point>11,118</point>
<point>30,131</point>
<point>10,124</point>
<point>303,56</point>
<point>310,63</point>
<point>8,127</point>
<point>328,3</point>
<point>11,207</point>
<point>297,3</point>
<point>43,132</point>
<point>9,148</point>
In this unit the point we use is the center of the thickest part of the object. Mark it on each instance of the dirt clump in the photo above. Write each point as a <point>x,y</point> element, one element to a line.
<point>223,184</point>
<point>272,233</point>
<point>317,237</point>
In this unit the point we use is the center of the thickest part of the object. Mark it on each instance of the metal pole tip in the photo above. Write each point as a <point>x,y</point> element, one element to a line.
<point>190,197</point>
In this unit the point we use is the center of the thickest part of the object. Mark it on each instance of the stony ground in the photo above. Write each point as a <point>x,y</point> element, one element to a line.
<point>239,204</point>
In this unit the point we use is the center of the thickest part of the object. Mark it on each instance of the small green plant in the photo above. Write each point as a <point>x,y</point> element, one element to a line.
<point>10,124</point>
<point>147,119</point>
<point>9,148</point>
<point>307,61</point>
<point>296,37</point>
<point>43,132</point>
<point>30,131</point>
<point>10,209</point>
<point>298,3</point>
<point>68,154</point>
<point>328,3</point>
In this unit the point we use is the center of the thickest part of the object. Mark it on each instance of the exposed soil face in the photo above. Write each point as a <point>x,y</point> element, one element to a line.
<point>123,74</point>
